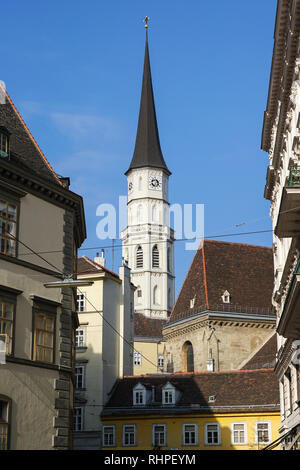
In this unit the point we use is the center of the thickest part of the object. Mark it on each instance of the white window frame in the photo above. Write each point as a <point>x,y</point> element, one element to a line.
<point>154,426</point>
<point>80,428</point>
<point>269,431</point>
<point>80,366</point>
<point>124,434</point>
<point>81,302</point>
<point>170,390</point>
<point>83,336</point>
<point>206,434</point>
<point>184,443</point>
<point>113,427</point>
<point>137,358</point>
<point>160,360</point>
<point>244,423</point>
<point>141,391</point>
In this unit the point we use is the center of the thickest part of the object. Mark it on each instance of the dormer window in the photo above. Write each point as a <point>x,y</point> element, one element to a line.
<point>226,297</point>
<point>139,395</point>
<point>192,302</point>
<point>4,142</point>
<point>168,395</point>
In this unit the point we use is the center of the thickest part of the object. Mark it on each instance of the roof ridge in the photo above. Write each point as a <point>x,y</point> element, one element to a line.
<point>193,374</point>
<point>236,243</point>
<point>100,266</point>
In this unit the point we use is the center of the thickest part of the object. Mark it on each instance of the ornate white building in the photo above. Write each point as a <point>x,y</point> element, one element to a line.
<point>280,138</point>
<point>148,238</point>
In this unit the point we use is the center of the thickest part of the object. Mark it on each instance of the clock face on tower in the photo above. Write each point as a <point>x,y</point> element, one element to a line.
<point>154,182</point>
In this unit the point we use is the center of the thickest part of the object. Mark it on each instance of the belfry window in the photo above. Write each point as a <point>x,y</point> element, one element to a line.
<point>155,257</point>
<point>139,257</point>
<point>4,142</point>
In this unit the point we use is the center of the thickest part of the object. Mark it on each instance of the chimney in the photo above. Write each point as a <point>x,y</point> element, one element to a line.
<point>100,259</point>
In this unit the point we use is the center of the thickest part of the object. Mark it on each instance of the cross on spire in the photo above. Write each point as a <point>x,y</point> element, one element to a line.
<point>146,19</point>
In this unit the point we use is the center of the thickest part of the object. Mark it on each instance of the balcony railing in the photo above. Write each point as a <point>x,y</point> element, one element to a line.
<point>294,178</point>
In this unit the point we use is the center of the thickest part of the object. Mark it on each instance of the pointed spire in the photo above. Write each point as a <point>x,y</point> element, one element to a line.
<point>147,152</point>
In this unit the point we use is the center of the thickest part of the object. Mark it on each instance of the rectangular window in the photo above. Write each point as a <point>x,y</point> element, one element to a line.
<point>212,434</point>
<point>78,418</point>
<point>262,432</point>
<point>6,324</point>
<point>238,433</point>
<point>108,433</point>
<point>160,360</point>
<point>137,358</point>
<point>4,409</point>
<point>80,338</point>
<point>159,435</point>
<point>139,397</point>
<point>168,397</point>
<point>81,302</point>
<point>44,326</point>
<point>8,228</point>
<point>79,376</point>
<point>129,435</point>
<point>190,434</point>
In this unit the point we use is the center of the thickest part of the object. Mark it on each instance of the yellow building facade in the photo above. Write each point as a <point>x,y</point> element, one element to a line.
<point>234,410</point>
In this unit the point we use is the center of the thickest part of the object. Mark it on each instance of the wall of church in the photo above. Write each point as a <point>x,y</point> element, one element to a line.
<point>224,346</point>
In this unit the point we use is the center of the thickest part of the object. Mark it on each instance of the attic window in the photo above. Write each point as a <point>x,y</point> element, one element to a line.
<point>192,302</point>
<point>226,297</point>
<point>211,398</point>
<point>168,395</point>
<point>4,143</point>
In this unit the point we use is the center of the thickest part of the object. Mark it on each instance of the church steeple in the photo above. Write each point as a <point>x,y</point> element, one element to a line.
<point>147,151</point>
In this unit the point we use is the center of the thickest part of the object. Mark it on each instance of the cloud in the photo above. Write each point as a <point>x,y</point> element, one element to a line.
<point>78,126</point>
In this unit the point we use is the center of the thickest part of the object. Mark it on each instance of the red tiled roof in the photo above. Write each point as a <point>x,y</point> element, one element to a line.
<point>247,390</point>
<point>87,266</point>
<point>245,271</point>
<point>146,327</point>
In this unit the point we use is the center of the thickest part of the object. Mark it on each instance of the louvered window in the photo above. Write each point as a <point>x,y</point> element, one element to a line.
<point>155,257</point>
<point>139,257</point>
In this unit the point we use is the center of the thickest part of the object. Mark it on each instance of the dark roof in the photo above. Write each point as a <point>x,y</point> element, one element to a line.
<point>24,150</point>
<point>87,266</point>
<point>265,357</point>
<point>247,390</point>
<point>147,151</point>
<point>145,327</point>
<point>245,271</point>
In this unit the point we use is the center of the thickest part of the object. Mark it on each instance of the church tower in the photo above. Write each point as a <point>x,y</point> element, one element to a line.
<point>148,239</point>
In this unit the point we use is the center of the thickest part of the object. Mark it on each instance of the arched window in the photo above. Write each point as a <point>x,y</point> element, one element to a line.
<point>155,257</point>
<point>169,298</point>
<point>169,259</point>
<point>139,257</point>
<point>187,357</point>
<point>156,295</point>
<point>154,213</point>
<point>139,295</point>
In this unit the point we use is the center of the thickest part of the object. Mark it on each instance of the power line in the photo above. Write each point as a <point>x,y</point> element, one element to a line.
<point>95,309</point>
<point>156,242</point>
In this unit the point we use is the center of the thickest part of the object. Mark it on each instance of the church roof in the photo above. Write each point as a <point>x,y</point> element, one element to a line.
<point>244,271</point>
<point>147,151</point>
<point>24,150</point>
<point>233,390</point>
<point>145,327</point>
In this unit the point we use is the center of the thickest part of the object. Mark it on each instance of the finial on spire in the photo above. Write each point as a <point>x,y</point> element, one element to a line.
<point>146,21</point>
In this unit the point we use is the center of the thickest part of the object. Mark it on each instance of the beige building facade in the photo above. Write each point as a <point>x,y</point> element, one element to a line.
<point>104,344</point>
<point>280,138</point>
<point>38,214</point>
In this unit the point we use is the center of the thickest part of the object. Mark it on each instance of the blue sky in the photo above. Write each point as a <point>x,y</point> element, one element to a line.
<point>74,70</point>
